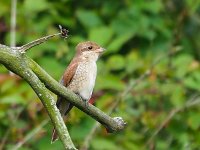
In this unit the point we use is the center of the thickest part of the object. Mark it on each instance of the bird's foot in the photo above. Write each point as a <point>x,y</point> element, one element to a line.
<point>86,103</point>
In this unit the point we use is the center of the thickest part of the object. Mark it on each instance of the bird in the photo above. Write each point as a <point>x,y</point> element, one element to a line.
<point>79,76</point>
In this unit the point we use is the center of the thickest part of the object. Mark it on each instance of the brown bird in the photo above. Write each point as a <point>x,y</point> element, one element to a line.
<point>79,76</point>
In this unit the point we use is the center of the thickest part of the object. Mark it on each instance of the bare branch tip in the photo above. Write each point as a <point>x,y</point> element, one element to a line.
<point>64,32</point>
<point>121,123</point>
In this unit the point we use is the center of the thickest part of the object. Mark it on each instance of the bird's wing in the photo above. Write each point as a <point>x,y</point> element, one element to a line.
<point>63,105</point>
<point>65,81</point>
<point>69,73</point>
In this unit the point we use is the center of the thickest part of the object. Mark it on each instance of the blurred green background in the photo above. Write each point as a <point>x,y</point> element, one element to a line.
<point>162,111</point>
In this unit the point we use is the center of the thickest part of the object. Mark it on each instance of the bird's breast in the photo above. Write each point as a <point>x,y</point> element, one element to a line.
<point>84,79</point>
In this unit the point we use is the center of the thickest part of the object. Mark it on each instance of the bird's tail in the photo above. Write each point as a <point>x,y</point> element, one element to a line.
<point>64,108</point>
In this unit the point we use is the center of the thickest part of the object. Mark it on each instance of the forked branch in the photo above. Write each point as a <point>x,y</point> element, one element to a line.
<point>15,60</point>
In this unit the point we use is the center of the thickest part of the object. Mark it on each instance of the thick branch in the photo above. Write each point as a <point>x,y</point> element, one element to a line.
<point>16,62</point>
<point>50,105</point>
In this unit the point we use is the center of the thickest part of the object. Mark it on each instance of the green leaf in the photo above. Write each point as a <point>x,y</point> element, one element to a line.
<point>31,6</point>
<point>193,5</point>
<point>9,84</point>
<point>109,82</point>
<point>81,130</point>
<point>194,120</point>
<point>133,61</point>
<point>116,62</point>
<point>102,144</point>
<point>12,99</point>
<point>181,63</point>
<point>35,6</point>
<point>89,19</point>
<point>44,143</point>
<point>177,96</point>
<point>101,35</point>
<point>5,8</point>
<point>118,42</point>
<point>75,39</point>
<point>193,81</point>
<point>13,146</point>
<point>52,66</point>
<point>151,6</point>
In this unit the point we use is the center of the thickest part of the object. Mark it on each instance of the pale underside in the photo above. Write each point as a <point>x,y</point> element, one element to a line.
<point>83,80</point>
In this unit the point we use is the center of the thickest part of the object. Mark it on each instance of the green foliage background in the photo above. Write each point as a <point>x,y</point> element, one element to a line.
<point>135,33</point>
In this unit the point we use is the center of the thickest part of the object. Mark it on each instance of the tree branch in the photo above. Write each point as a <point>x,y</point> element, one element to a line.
<point>14,59</point>
<point>63,32</point>
<point>28,46</point>
<point>13,23</point>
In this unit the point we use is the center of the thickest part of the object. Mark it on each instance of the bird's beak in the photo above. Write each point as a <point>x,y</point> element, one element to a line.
<point>100,50</point>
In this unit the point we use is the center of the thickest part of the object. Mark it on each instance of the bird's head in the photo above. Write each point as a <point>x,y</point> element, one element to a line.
<point>89,50</point>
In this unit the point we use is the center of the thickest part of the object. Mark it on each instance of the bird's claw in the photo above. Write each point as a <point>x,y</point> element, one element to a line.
<point>86,104</point>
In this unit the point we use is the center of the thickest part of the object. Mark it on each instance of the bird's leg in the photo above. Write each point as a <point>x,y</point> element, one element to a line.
<point>86,102</point>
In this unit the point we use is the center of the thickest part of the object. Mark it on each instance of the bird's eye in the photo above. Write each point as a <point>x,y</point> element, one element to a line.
<point>90,47</point>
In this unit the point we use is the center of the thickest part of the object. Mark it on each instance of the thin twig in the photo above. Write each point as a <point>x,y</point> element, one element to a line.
<point>13,23</point>
<point>30,135</point>
<point>27,46</point>
<point>122,95</point>
<point>63,32</point>
<point>13,19</point>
